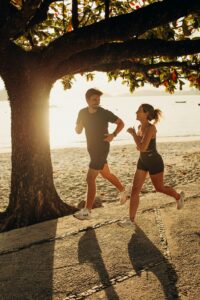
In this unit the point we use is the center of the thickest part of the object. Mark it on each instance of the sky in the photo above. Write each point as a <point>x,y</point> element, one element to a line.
<point>112,88</point>
<point>1,84</point>
<point>100,81</point>
<point>80,85</point>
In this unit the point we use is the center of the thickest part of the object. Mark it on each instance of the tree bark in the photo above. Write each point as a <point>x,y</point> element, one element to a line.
<point>33,196</point>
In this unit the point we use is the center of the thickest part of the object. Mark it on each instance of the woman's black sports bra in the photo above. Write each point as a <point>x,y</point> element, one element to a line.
<point>152,146</point>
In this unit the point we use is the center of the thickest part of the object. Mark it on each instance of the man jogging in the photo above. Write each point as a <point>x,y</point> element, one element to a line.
<point>95,120</point>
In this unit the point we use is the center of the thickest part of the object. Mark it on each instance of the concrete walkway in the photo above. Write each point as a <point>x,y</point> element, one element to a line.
<point>98,259</point>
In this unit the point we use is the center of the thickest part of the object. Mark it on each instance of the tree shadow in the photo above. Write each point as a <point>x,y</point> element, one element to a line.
<point>26,272</point>
<point>141,250</point>
<point>90,251</point>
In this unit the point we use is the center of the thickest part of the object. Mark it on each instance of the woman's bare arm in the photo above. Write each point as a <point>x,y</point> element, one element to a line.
<point>143,143</point>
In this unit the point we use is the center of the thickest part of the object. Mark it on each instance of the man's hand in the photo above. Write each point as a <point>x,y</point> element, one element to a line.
<point>108,137</point>
<point>79,128</point>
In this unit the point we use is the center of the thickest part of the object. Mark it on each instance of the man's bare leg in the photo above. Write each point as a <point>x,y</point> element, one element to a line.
<point>91,187</point>
<point>112,178</point>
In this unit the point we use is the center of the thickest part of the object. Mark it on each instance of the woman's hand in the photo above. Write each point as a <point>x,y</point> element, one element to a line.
<point>131,130</point>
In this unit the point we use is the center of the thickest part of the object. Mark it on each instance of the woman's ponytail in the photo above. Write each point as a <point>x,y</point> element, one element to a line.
<point>157,115</point>
<point>153,114</point>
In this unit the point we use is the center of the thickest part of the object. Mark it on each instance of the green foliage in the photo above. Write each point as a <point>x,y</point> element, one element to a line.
<point>89,76</point>
<point>169,77</point>
<point>17,4</point>
<point>67,81</point>
<point>59,22</point>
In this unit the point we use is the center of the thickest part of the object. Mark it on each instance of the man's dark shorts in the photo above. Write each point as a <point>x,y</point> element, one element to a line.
<point>98,156</point>
<point>151,162</point>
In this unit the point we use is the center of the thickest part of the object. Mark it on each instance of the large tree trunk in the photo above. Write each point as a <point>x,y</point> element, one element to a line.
<point>33,197</point>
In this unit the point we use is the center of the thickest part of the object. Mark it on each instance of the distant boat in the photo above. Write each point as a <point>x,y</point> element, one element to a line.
<point>54,106</point>
<point>180,101</point>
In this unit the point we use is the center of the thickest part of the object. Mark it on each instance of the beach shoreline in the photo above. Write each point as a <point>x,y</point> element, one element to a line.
<point>70,166</point>
<point>120,142</point>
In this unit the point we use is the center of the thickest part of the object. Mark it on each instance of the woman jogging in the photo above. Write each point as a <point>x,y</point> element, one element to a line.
<point>150,161</point>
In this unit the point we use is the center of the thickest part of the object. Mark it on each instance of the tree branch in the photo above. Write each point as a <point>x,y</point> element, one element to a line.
<point>75,21</point>
<point>116,53</point>
<point>131,25</point>
<point>107,8</point>
<point>140,67</point>
<point>40,14</point>
<point>17,22</point>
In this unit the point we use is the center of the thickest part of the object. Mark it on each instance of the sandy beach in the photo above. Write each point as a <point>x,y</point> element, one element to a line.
<point>70,167</point>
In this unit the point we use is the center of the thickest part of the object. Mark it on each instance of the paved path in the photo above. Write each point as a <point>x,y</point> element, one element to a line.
<point>98,259</point>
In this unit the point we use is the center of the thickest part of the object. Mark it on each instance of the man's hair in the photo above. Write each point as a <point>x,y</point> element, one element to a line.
<point>91,92</point>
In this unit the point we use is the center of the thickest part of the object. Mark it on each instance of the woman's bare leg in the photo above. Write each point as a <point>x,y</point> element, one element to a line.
<point>138,182</point>
<point>158,183</point>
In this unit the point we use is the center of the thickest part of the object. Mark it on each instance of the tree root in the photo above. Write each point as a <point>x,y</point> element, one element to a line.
<point>43,212</point>
<point>3,215</point>
<point>8,223</point>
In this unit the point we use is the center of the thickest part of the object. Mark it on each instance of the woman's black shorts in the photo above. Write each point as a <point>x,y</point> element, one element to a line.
<point>151,162</point>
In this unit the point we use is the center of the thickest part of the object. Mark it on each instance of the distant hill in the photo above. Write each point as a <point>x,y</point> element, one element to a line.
<point>3,95</point>
<point>156,92</point>
<point>138,93</point>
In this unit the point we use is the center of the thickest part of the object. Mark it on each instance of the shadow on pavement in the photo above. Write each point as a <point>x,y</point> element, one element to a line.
<point>27,273</point>
<point>90,251</point>
<point>141,249</point>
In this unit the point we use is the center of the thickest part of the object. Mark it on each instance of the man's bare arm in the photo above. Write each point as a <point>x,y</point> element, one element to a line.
<point>120,126</point>
<point>79,128</point>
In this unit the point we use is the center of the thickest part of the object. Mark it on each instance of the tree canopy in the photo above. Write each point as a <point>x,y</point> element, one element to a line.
<point>141,41</point>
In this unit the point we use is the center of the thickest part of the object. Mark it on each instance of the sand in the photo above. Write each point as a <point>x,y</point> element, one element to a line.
<point>70,167</point>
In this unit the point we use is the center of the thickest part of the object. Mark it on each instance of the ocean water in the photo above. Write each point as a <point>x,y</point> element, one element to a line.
<point>180,121</point>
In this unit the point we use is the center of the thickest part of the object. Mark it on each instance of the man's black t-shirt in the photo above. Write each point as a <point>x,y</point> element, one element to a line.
<point>96,125</point>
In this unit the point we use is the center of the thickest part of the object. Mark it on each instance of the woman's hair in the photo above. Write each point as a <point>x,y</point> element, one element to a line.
<point>153,114</point>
